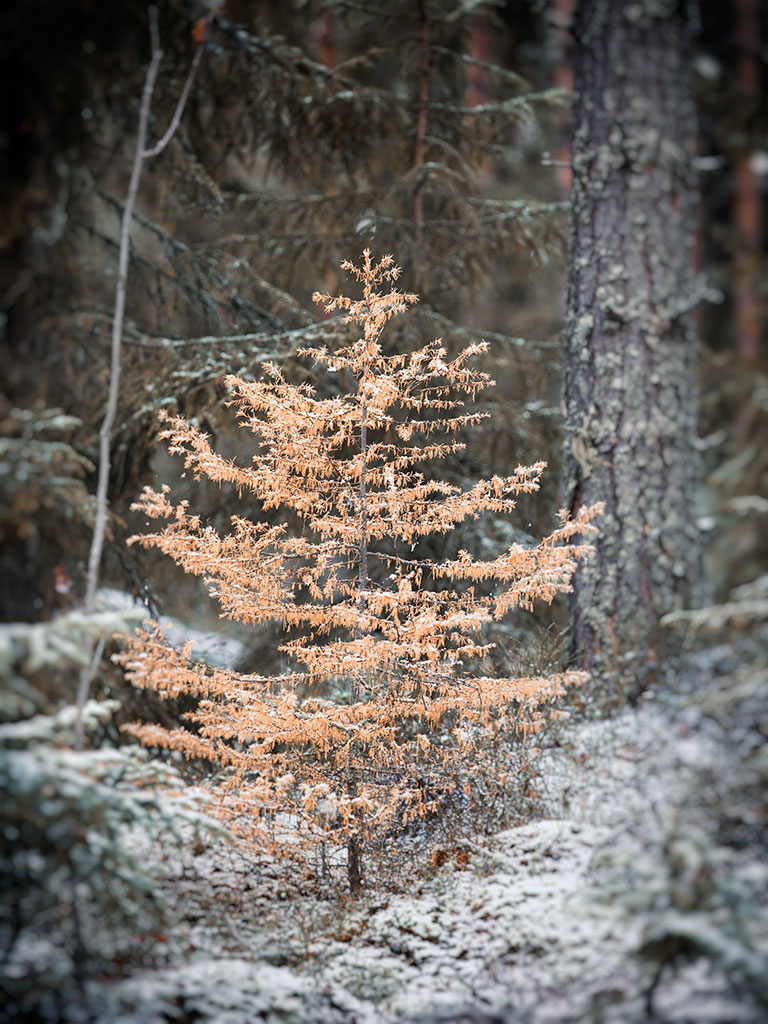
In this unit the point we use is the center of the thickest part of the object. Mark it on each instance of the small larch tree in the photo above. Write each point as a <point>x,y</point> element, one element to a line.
<point>389,688</point>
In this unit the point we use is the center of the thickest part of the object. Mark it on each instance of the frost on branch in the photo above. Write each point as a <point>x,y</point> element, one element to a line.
<point>390,686</point>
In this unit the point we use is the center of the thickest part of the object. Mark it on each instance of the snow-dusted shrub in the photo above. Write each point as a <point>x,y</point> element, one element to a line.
<point>225,991</point>
<point>698,892</point>
<point>78,889</point>
<point>39,659</point>
<point>697,900</point>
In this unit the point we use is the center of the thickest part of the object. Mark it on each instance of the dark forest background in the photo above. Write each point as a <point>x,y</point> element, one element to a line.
<point>300,145</point>
<point>435,130</point>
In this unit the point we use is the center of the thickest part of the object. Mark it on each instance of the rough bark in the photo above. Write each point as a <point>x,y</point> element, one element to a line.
<point>629,396</point>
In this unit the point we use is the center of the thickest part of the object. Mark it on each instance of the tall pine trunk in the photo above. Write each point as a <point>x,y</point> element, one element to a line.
<point>629,340</point>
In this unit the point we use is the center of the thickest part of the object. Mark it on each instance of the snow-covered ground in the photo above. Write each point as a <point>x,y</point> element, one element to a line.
<point>539,927</point>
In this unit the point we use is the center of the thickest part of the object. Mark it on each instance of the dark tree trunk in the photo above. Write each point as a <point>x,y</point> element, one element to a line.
<point>629,340</point>
<point>354,866</point>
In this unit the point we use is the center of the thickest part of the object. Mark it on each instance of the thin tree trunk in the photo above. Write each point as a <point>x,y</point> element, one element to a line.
<point>354,864</point>
<point>105,434</point>
<point>354,850</point>
<point>629,340</point>
<point>362,578</point>
<point>97,543</point>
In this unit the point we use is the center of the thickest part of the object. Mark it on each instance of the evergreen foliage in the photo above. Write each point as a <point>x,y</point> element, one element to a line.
<point>390,691</point>
<point>697,893</point>
<point>78,892</point>
<point>43,494</point>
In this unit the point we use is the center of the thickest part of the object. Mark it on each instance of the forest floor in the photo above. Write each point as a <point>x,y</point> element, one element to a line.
<point>539,924</point>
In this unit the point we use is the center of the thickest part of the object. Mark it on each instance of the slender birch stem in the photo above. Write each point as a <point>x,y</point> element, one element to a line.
<point>97,544</point>
<point>140,154</point>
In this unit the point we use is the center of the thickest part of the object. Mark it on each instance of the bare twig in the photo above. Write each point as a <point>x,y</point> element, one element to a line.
<point>299,335</point>
<point>160,146</point>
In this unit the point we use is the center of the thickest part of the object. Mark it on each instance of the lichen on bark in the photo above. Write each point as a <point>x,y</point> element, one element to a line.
<point>629,394</point>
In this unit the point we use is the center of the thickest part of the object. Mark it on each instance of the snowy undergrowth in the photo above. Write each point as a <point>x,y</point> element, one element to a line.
<point>535,929</point>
